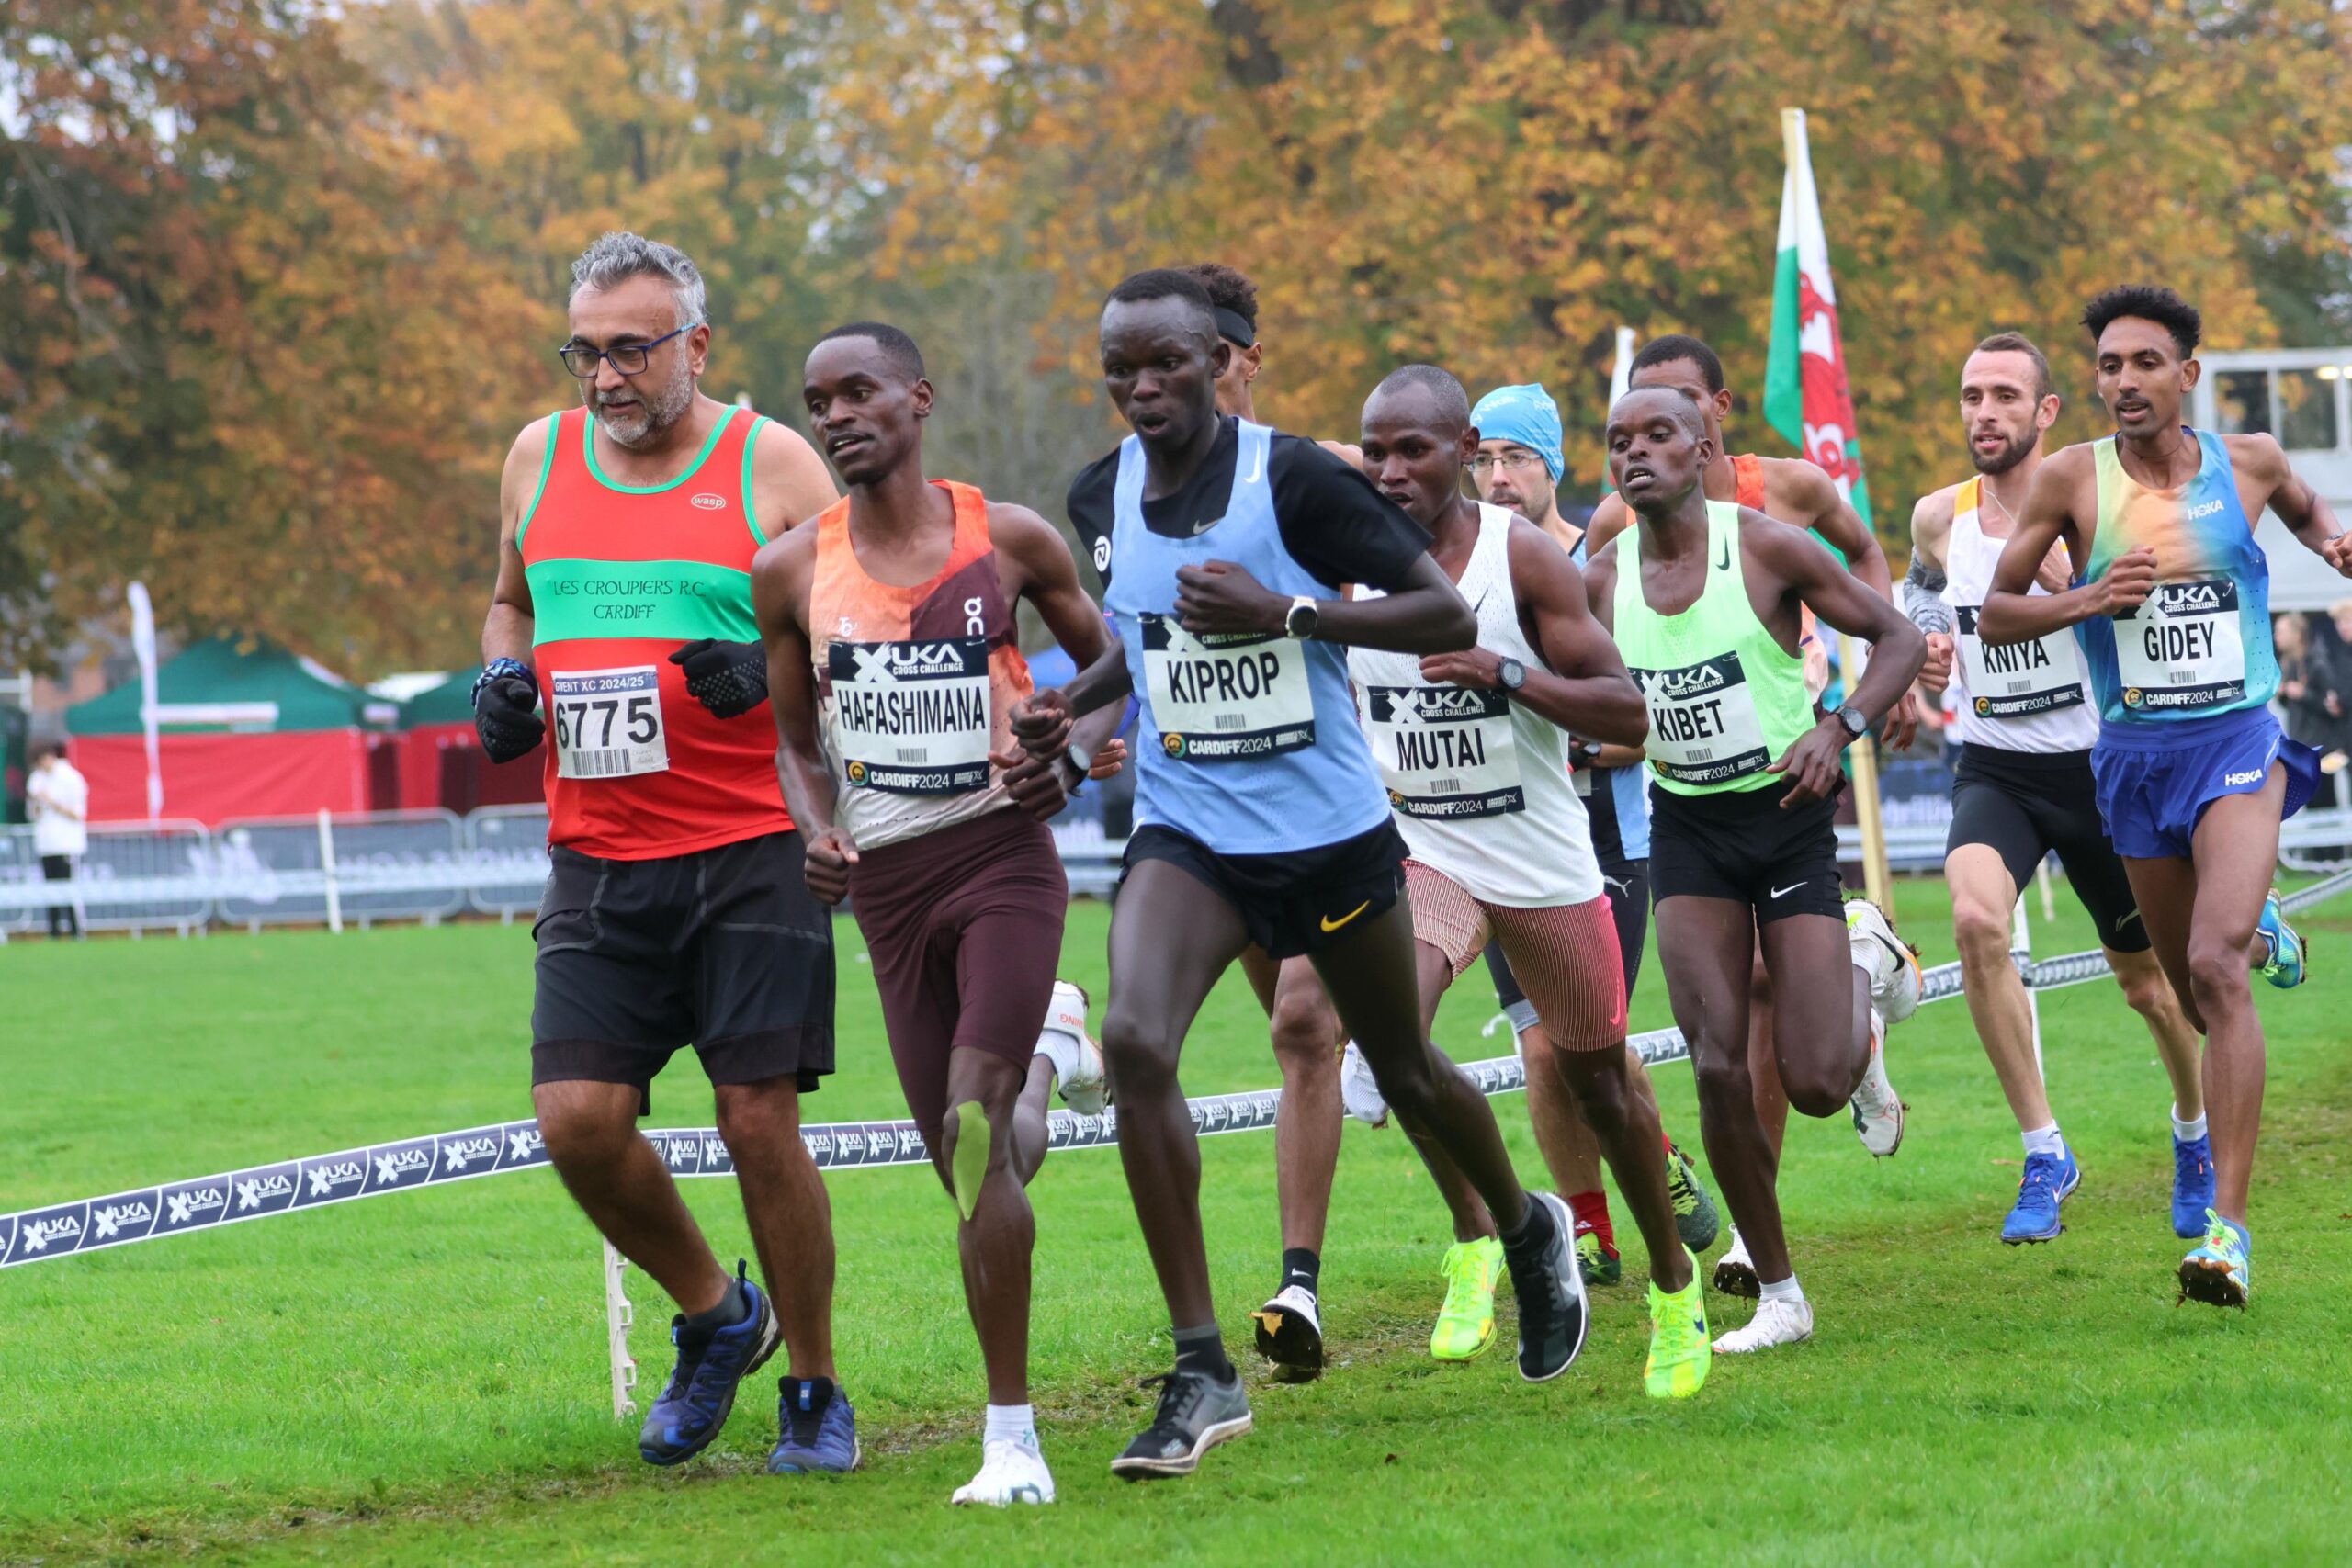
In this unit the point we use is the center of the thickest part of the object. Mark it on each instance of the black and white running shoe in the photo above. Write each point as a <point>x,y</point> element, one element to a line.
<point>1195,1414</point>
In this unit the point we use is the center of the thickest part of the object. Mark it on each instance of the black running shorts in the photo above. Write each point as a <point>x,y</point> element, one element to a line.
<point>1295,903</point>
<point>724,949</point>
<point>1741,847</point>
<point>2025,805</point>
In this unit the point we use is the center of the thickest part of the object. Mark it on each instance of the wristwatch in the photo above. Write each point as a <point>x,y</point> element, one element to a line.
<point>1511,675</point>
<point>1080,761</point>
<point>1305,615</point>
<point>1856,723</point>
<point>1588,753</point>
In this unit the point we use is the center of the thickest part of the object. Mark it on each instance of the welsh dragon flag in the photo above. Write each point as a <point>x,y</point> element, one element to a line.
<point>1804,374</point>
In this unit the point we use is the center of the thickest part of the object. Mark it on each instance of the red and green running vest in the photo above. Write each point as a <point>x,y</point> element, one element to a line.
<point>620,577</point>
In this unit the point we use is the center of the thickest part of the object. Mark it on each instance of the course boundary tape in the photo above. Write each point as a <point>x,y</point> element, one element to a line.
<point>437,1160</point>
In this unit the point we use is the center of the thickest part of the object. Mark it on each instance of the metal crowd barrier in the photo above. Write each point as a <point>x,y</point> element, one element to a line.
<point>428,865</point>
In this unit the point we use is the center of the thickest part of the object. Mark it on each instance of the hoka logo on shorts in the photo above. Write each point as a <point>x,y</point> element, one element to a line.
<point>252,1194</point>
<point>181,1207</point>
<point>325,1179</point>
<point>2252,775</point>
<point>107,1222</point>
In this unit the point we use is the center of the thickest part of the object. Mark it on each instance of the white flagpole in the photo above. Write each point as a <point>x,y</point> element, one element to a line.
<point>1620,379</point>
<point>142,643</point>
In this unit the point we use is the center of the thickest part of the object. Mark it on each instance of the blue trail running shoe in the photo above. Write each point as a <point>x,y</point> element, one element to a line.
<point>2219,1270</point>
<point>2192,1184</point>
<point>818,1430</point>
<point>701,1390</point>
<point>2047,1180</point>
<point>2285,969</point>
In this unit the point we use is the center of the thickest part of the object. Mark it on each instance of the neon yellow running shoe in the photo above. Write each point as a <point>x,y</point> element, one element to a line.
<point>1465,1324</point>
<point>1680,1350</point>
<point>1599,1260</point>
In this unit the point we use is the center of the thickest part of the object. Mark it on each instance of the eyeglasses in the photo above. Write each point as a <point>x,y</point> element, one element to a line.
<point>629,358</point>
<point>1518,462</point>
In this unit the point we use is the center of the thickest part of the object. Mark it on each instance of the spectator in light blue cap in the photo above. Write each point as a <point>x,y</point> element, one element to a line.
<point>1518,461</point>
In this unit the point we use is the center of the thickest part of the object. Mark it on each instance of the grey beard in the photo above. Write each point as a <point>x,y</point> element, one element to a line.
<point>661,412</point>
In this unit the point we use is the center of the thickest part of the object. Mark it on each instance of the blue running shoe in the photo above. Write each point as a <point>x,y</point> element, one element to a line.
<point>2192,1184</point>
<point>818,1431</point>
<point>2047,1180</point>
<point>701,1390</point>
<point>2285,969</point>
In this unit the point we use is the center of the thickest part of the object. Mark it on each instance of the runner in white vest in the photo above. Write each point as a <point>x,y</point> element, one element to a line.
<point>2023,788</point>
<point>1471,749</point>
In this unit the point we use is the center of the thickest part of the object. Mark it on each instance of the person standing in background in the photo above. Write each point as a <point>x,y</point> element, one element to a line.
<point>56,798</point>
<point>2308,690</point>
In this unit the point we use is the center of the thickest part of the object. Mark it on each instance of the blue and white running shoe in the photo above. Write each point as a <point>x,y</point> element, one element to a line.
<point>2192,1184</point>
<point>2047,1180</point>
<point>701,1390</point>
<point>817,1430</point>
<point>2285,969</point>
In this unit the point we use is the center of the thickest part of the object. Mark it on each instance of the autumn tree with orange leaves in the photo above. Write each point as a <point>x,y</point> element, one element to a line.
<point>279,281</point>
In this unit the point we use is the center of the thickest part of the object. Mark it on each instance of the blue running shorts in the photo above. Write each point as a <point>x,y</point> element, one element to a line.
<point>2155,780</point>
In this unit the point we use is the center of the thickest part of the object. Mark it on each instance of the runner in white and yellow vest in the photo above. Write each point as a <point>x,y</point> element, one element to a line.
<point>1473,747</point>
<point>1705,599</point>
<point>2023,790</point>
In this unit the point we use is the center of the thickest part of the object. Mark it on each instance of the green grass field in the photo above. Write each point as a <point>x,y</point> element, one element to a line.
<point>420,1378</point>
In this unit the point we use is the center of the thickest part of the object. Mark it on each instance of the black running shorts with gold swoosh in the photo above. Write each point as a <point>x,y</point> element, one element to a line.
<point>1296,903</point>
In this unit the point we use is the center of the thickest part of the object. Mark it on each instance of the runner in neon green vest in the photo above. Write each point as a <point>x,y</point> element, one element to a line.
<point>1705,599</point>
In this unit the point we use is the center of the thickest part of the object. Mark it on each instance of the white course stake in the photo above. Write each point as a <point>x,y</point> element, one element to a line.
<point>327,865</point>
<point>2021,955</point>
<point>617,1316</point>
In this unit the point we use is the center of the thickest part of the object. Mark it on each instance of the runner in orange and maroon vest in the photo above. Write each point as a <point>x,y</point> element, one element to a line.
<point>892,655</point>
<point>1796,491</point>
<point>675,912</point>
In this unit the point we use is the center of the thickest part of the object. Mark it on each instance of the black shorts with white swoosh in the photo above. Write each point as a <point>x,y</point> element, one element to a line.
<point>1741,847</point>
<point>1292,904</point>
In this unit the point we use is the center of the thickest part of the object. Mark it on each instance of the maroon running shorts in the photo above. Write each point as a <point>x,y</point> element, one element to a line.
<point>964,927</point>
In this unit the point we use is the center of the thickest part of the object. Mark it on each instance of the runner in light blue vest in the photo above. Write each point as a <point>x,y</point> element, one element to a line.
<point>1262,817</point>
<point>2193,774</point>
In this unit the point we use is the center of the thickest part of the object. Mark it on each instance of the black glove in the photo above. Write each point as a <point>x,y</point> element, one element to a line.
<point>730,679</point>
<point>506,697</point>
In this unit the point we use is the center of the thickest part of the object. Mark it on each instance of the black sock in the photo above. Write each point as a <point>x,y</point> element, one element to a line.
<point>731,1309</point>
<point>1302,1267</point>
<point>1535,1226</point>
<point>805,1399</point>
<point>1202,1351</point>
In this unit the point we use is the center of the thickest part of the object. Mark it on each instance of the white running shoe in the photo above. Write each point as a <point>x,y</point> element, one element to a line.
<point>1010,1473</point>
<point>1878,1110</point>
<point>1077,1063</point>
<point>1894,969</point>
<point>1775,1322</point>
<point>1735,1271</point>
<point>1360,1091</point>
<point>1290,1333</point>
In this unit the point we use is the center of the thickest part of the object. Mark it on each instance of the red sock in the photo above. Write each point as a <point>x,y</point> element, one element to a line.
<point>1591,1210</point>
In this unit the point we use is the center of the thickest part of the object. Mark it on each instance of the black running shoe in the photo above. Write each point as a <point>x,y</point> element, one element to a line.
<point>1195,1414</point>
<point>1549,1284</point>
<point>1290,1335</point>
